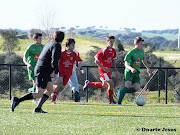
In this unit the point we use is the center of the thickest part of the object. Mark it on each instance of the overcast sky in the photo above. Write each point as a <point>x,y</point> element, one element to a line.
<point>139,14</point>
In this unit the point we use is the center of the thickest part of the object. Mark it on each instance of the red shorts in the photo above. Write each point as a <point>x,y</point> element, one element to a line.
<point>65,77</point>
<point>104,76</point>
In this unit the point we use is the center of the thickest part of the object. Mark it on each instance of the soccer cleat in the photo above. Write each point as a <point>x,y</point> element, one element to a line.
<point>118,94</point>
<point>85,85</point>
<point>38,110</point>
<point>80,101</point>
<point>112,102</point>
<point>15,102</point>
<point>118,104</point>
<point>53,102</point>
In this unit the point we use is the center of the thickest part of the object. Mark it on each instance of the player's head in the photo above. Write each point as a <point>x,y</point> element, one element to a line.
<point>138,42</point>
<point>37,38</point>
<point>58,36</point>
<point>70,44</point>
<point>110,41</point>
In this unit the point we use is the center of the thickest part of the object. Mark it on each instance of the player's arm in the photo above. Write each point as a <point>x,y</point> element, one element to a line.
<point>133,70</point>
<point>79,67</point>
<point>99,64</point>
<point>114,64</point>
<point>147,67</point>
<point>26,62</point>
<point>56,53</point>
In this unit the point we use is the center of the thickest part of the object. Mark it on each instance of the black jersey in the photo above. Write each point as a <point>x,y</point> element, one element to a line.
<point>49,57</point>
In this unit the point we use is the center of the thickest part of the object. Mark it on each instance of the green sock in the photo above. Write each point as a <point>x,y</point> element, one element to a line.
<point>131,90</point>
<point>33,89</point>
<point>76,95</point>
<point>122,94</point>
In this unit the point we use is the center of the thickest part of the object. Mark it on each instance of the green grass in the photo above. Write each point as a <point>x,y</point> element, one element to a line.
<point>68,118</point>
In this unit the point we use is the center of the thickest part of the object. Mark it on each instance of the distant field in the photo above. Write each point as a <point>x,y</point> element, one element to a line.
<point>68,118</point>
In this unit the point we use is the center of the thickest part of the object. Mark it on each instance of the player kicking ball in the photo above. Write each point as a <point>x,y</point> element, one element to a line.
<point>103,59</point>
<point>133,60</point>
<point>66,62</point>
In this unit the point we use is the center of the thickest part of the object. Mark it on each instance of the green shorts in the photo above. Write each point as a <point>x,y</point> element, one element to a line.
<point>31,73</point>
<point>133,77</point>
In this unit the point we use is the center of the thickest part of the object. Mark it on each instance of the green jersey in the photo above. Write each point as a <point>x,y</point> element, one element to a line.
<point>134,58</point>
<point>32,53</point>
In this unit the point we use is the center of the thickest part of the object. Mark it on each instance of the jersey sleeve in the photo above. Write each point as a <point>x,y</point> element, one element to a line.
<point>27,53</point>
<point>78,57</point>
<point>128,57</point>
<point>99,56</point>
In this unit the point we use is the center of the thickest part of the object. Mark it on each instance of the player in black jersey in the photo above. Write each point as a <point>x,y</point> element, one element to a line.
<point>46,65</point>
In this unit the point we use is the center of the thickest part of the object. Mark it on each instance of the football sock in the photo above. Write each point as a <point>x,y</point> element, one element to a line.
<point>110,95</point>
<point>122,94</point>
<point>54,96</point>
<point>131,90</point>
<point>76,95</point>
<point>95,84</point>
<point>26,97</point>
<point>42,100</point>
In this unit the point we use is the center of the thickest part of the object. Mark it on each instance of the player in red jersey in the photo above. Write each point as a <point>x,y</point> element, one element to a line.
<point>68,57</point>
<point>103,59</point>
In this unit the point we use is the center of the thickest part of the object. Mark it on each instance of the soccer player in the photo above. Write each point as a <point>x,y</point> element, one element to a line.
<point>73,83</point>
<point>66,62</point>
<point>46,65</point>
<point>31,57</point>
<point>104,58</point>
<point>133,60</point>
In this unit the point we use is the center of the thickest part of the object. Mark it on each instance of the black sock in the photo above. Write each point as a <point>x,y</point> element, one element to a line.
<point>26,97</point>
<point>42,100</point>
<point>76,95</point>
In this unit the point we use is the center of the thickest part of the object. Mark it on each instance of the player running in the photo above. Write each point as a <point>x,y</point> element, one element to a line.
<point>104,58</point>
<point>66,62</point>
<point>133,60</point>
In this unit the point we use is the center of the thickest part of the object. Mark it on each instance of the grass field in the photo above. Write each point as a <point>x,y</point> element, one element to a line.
<point>67,118</point>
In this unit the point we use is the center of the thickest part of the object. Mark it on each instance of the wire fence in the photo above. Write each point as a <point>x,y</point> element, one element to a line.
<point>160,89</point>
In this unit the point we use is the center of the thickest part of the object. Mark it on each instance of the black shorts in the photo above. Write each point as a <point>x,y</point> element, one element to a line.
<point>42,77</point>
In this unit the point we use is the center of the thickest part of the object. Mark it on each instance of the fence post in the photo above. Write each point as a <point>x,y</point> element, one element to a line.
<point>159,79</point>
<point>165,83</point>
<point>9,82</point>
<point>87,87</point>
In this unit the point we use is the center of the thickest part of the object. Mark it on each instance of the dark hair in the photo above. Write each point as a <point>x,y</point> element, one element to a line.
<point>58,36</point>
<point>110,37</point>
<point>138,39</point>
<point>36,35</point>
<point>69,41</point>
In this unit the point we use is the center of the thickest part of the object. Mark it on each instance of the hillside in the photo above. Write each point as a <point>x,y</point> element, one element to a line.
<point>85,43</point>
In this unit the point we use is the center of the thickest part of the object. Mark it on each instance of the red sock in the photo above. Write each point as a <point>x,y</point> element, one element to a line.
<point>95,84</point>
<point>110,95</point>
<point>54,96</point>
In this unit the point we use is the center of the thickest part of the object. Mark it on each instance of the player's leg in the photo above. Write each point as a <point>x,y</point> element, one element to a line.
<point>41,84</point>
<point>127,85</point>
<point>58,89</point>
<point>73,82</point>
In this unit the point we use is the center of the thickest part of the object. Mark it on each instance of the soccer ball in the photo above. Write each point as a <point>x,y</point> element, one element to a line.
<point>140,101</point>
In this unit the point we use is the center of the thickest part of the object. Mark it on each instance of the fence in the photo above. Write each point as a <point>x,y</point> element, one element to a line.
<point>14,81</point>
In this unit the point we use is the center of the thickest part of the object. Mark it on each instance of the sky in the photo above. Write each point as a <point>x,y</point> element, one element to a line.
<point>114,14</point>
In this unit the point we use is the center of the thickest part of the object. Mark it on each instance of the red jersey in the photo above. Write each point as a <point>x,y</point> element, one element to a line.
<point>67,60</point>
<point>105,57</point>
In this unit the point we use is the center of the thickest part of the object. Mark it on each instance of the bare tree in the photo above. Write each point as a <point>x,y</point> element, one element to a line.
<point>47,20</point>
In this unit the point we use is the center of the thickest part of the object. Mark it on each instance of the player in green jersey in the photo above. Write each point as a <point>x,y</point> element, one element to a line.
<point>133,60</point>
<point>31,57</point>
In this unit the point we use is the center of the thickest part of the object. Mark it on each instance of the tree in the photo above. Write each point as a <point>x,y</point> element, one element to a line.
<point>10,40</point>
<point>118,45</point>
<point>47,22</point>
